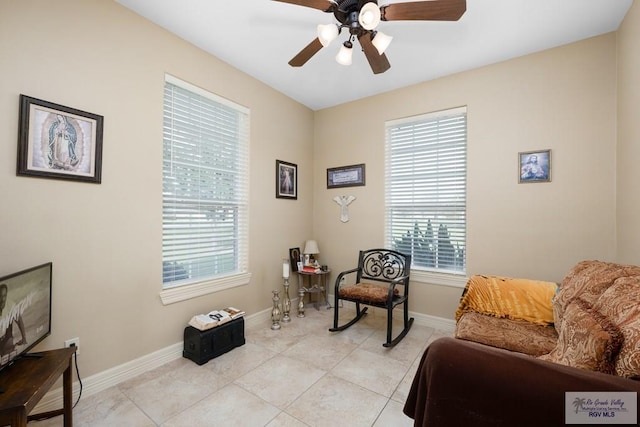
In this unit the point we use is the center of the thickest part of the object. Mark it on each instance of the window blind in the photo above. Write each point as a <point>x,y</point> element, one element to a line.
<point>205,185</point>
<point>425,189</point>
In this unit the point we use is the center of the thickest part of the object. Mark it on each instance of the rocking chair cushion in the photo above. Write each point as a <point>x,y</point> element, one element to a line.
<point>367,292</point>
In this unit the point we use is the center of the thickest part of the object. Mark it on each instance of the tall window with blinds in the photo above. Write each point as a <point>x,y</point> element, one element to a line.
<point>425,189</point>
<point>205,186</point>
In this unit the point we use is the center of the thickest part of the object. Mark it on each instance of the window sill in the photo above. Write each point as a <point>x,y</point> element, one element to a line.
<point>443,279</point>
<point>183,293</point>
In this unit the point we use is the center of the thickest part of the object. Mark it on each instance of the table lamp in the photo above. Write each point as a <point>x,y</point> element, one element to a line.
<point>310,249</point>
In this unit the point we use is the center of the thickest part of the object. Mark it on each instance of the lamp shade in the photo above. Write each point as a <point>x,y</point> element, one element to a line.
<point>369,16</point>
<point>311,247</point>
<point>327,33</point>
<point>345,54</point>
<point>381,41</point>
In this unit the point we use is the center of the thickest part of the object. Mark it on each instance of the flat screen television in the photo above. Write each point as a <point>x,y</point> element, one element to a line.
<point>25,311</point>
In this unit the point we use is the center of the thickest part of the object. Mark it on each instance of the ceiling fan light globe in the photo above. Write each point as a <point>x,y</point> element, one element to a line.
<point>345,55</point>
<point>381,41</point>
<point>327,33</point>
<point>369,16</point>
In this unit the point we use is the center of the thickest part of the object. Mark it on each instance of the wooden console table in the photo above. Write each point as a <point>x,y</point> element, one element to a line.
<point>25,382</point>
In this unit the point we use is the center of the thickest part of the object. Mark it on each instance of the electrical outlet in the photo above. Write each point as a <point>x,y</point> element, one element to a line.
<point>73,342</point>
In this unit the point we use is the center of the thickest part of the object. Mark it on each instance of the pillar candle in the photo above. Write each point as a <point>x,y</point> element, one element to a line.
<point>285,270</point>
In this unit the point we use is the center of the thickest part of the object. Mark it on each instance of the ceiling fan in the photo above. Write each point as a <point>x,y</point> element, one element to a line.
<point>361,17</point>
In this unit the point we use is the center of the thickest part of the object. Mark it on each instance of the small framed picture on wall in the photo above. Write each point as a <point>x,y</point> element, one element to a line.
<point>346,176</point>
<point>534,166</point>
<point>55,141</point>
<point>286,180</point>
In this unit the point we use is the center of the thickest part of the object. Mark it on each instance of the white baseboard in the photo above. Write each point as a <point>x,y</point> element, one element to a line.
<point>114,376</point>
<point>111,377</point>
<point>440,323</point>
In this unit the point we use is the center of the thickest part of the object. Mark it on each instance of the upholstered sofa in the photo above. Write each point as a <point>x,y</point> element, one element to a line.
<point>521,345</point>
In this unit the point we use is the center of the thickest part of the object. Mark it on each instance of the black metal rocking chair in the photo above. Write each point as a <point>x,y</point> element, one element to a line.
<point>382,280</point>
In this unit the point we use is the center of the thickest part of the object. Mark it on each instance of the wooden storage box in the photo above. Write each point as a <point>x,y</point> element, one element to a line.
<point>202,346</point>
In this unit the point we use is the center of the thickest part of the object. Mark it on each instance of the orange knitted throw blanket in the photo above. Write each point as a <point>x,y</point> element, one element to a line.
<point>505,297</point>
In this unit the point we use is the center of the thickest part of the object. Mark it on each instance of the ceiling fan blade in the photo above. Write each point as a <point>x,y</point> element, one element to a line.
<point>305,54</point>
<point>323,5</point>
<point>430,10</point>
<point>379,63</point>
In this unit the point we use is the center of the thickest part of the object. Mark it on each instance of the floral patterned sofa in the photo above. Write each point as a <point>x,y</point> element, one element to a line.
<point>595,321</point>
<point>521,343</point>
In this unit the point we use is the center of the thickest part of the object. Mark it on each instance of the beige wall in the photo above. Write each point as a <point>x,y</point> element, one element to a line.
<point>105,240</point>
<point>563,99</point>
<point>628,201</point>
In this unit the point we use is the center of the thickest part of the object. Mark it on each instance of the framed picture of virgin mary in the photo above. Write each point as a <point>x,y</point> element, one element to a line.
<point>59,142</point>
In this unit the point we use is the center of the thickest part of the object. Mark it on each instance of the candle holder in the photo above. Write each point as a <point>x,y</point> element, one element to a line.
<point>286,302</point>
<point>301,301</point>
<point>275,311</point>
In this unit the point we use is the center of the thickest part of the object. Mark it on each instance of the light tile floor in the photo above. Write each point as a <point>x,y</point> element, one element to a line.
<point>301,375</point>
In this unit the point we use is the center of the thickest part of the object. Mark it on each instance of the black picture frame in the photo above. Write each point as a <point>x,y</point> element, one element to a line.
<point>294,258</point>
<point>286,180</point>
<point>346,176</point>
<point>534,166</point>
<point>59,142</point>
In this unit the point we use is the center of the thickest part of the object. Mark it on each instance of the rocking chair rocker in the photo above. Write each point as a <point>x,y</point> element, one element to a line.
<point>381,280</point>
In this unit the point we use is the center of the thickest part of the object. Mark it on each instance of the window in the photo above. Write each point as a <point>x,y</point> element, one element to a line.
<point>205,186</point>
<point>425,189</point>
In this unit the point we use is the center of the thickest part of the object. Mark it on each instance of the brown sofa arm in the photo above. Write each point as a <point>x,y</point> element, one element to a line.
<point>462,383</point>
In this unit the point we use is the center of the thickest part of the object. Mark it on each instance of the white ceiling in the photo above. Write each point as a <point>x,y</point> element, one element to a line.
<point>259,37</point>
